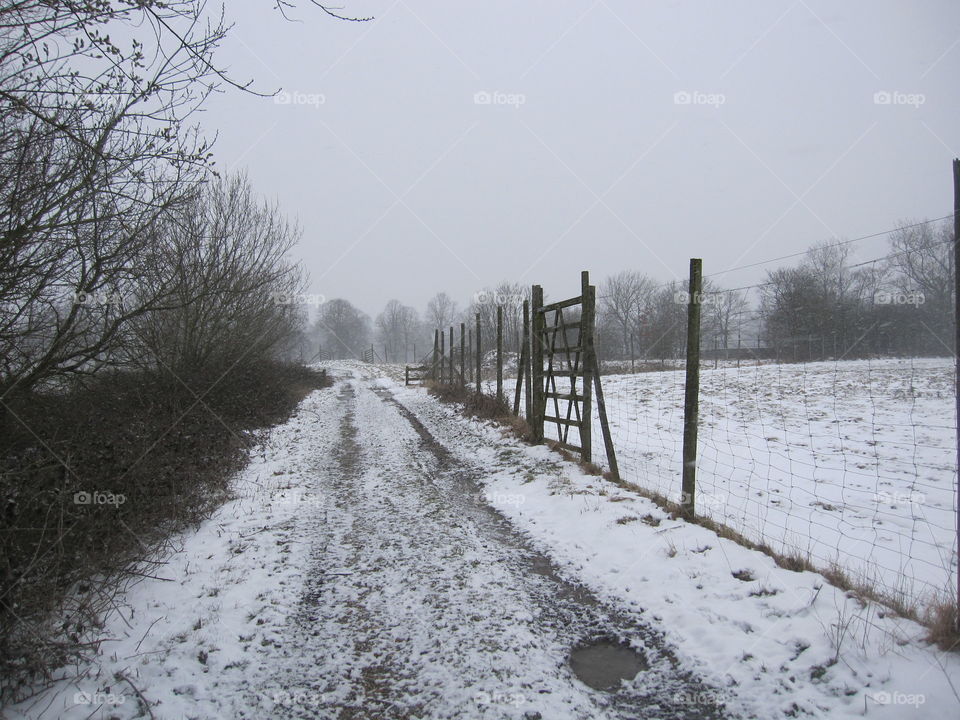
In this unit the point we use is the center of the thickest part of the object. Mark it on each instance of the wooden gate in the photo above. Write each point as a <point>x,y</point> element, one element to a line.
<point>564,371</point>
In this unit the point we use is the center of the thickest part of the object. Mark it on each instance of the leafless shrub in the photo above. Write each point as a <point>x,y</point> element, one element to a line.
<point>232,295</point>
<point>95,150</point>
<point>93,480</point>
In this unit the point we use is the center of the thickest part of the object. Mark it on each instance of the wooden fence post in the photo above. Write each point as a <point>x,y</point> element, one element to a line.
<point>499,353</point>
<point>528,398</point>
<point>691,398</point>
<point>442,355</point>
<point>436,354</point>
<point>956,348</point>
<point>536,363</point>
<point>522,362</point>
<point>463,350</point>
<point>604,423</point>
<point>479,357</point>
<point>587,361</point>
<point>451,380</point>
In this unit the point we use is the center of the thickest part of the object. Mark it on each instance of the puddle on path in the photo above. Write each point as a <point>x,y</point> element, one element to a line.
<point>604,663</point>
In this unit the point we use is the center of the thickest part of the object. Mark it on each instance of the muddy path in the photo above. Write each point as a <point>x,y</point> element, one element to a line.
<point>422,601</point>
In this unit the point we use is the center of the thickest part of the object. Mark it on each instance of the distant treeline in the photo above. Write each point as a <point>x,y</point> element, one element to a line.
<point>824,306</point>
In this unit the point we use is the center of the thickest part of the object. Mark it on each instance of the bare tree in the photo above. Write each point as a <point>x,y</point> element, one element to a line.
<point>97,146</point>
<point>441,310</point>
<point>665,324</point>
<point>624,298</point>
<point>395,327</point>
<point>410,328</point>
<point>723,313</point>
<point>344,331</point>
<point>231,295</point>
<point>921,265</point>
<point>816,308</point>
<point>95,149</point>
<point>507,296</point>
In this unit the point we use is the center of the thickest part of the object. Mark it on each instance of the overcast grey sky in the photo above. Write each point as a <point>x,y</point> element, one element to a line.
<point>612,135</point>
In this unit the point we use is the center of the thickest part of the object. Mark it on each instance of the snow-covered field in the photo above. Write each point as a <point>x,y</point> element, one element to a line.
<point>364,569</point>
<point>850,463</point>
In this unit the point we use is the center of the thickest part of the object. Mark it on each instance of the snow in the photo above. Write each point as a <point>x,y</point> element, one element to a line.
<point>228,589</point>
<point>783,642</point>
<point>360,560</point>
<point>852,463</point>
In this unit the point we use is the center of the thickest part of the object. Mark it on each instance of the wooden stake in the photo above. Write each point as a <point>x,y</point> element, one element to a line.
<point>587,300</point>
<point>463,349</point>
<point>691,400</point>
<point>479,357</point>
<point>499,353</point>
<point>536,363</point>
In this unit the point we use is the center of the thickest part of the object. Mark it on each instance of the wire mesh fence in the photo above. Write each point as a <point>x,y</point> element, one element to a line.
<point>835,446</point>
<point>846,464</point>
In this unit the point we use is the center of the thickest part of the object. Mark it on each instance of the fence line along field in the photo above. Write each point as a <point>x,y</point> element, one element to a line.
<point>849,464</point>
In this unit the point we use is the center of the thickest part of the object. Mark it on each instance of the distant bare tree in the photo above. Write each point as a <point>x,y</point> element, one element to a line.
<point>816,305</point>
<point>665,325</point>
<point>441,310</point>
<point>922,270</point>
<point>509,297</point>
<point>230,293</point>
<point>344,331</point>
<point>396,326</point>
<point>410,329</point>
<point>623,299</point>
<point>723,314</point>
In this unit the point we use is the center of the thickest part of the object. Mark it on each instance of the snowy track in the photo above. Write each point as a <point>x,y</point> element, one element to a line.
<point>385,557</point>
<point>422,602</point>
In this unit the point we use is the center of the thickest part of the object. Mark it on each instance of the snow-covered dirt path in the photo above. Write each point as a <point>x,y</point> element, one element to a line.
<point>385,557</point>
<point>421,601</point>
